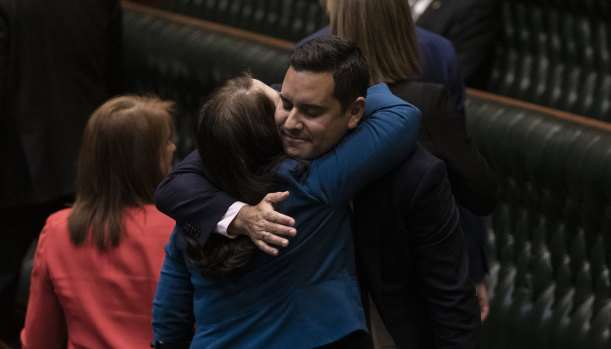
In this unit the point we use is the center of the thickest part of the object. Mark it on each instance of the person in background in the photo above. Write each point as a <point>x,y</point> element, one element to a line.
<point>439,62</point>
<point>97,264</point>
<point>307,295</point>
<point>59,60</point>
<point>472,26</point>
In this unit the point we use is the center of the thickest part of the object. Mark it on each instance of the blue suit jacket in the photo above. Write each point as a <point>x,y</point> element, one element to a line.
<point>419,231</point>
<point>265,306</point>
<point>439,63</point>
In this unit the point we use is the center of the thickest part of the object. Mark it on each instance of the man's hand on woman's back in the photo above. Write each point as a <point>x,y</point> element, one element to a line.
<point>263,224</point>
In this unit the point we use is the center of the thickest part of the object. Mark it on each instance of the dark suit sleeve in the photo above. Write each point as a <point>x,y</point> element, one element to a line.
<point>473,183</point>
<point>475,237</point>
<point>190,199</point>
<point>444,134</point>
<point>441,260</point>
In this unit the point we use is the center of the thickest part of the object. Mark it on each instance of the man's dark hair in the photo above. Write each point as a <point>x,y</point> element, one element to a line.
<point>343,58</point>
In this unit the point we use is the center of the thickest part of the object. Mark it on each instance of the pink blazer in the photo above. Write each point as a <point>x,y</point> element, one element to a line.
<point>82,297</point>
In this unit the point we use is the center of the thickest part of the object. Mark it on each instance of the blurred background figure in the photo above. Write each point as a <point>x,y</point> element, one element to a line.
<point>97,264</point>
<point>473,27</point>
<point>59,60</point>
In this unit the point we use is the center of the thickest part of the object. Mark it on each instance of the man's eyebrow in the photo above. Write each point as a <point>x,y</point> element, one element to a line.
<point>309,106</point>
<point>312,107</point>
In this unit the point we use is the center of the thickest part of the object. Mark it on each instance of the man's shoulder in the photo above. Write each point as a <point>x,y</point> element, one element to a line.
<point>421,168</point>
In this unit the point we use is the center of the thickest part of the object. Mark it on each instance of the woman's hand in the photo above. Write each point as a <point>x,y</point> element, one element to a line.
<point>263,224</point>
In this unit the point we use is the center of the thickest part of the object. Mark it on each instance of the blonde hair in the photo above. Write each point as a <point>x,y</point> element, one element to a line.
<point>385,33</point>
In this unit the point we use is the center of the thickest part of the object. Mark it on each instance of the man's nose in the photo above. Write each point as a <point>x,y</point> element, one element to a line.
<point>293,120</point>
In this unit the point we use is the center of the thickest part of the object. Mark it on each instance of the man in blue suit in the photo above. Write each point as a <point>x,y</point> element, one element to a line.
<point>409,244</point>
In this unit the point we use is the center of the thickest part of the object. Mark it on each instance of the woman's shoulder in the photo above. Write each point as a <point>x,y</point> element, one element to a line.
<point>57,221</point>
<point>55,231</point>
<point>59,215</point>
<point>149,217</point>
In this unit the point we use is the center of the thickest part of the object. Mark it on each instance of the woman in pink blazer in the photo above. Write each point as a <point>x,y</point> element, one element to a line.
<point>97,264</point>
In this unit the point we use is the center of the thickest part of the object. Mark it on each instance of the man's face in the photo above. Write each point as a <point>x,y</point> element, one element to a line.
<point>309,118</point>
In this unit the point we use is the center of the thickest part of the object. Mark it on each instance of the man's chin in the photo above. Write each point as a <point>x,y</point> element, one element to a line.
<point>296,153</point>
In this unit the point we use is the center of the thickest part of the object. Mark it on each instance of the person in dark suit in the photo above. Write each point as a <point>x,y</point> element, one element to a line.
<point>439,61</point>
<point>473,26</point>
<point>59,61</point>
<point>412,259</point>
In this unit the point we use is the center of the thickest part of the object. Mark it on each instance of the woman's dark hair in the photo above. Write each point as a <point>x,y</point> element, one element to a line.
<point>239,145</point>
<point>122,159</point>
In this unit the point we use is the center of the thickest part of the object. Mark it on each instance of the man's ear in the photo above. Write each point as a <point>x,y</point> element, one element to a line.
<point>355,112</point>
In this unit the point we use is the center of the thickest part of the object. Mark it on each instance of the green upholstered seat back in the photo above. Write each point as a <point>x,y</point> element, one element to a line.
<point>184,62</point>
<point>286,19</point>
<point>557,54</point>
<point>549,239</point>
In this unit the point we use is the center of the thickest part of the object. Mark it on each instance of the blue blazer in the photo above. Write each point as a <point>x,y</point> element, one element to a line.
<point>285,301</point>
<point>417,248</point>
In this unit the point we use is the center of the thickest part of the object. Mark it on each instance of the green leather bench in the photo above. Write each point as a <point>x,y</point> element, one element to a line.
<point>556,54</point>
<point>182,59</point>
<point>286,19</point>
<point>549,239</point>
<point>553,53</point>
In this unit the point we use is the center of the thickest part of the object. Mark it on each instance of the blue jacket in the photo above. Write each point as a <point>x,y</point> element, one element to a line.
<point>307,296</point>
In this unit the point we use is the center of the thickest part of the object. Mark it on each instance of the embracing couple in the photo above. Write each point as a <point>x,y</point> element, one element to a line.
<point>299,267</point>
